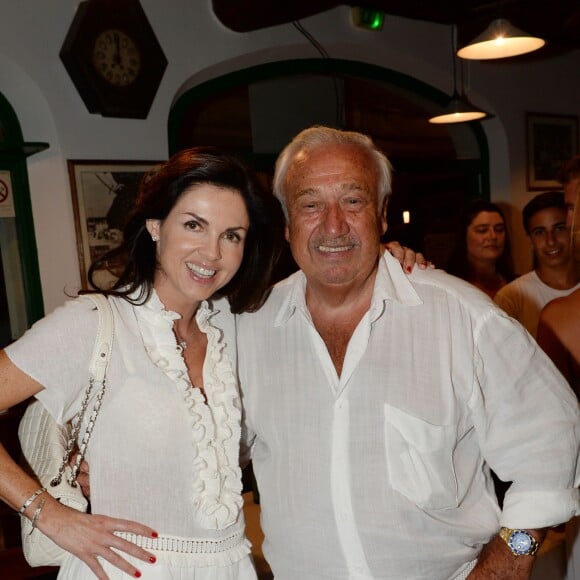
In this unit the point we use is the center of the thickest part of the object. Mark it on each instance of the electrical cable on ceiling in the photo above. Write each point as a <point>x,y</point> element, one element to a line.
<point>339,107</point>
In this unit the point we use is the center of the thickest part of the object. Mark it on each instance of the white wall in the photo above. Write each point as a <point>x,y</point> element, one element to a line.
<point>198,48</point>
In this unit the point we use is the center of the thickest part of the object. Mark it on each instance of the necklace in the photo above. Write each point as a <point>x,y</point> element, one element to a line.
<point>181,342</point>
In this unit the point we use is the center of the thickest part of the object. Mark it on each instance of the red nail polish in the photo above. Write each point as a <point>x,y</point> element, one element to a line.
<point>152,559</point>
<point>154,535</point>
<point>408,268</point>
<point>137,574</point>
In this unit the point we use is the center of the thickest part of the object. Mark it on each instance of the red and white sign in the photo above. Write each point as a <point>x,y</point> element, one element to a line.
<point>6,196</point>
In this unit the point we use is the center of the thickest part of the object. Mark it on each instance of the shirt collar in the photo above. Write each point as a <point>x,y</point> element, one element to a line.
<point>295,298</point>
<point>391,284</point>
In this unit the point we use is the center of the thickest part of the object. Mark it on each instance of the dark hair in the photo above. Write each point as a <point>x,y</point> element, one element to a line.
<point>570,170</point>
<point>459,263</point>
<point>545,200</point>
<point>158,193</point>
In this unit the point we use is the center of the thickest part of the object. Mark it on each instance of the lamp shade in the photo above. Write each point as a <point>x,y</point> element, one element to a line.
<point>458,110</point>
<point>500,40</point>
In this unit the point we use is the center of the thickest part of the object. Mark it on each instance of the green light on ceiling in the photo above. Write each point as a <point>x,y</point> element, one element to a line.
<point>369,19</point>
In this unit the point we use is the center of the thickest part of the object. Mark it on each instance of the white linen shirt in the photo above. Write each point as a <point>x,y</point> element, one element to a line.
<point>381,472</point>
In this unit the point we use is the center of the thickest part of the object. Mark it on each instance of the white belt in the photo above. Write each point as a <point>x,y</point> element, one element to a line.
<point>184,545</point>
<point>465,572</point>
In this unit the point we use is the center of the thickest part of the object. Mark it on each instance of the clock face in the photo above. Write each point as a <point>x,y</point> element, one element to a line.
<point>116,57</point>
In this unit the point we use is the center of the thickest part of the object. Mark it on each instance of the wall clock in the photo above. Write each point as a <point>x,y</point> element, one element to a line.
<point>113,58</point>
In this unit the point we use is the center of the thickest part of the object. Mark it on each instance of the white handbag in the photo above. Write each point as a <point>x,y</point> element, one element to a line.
<point>47,446</point>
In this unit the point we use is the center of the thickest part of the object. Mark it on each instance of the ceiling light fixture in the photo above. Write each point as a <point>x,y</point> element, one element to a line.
<point>459,109</point>
<point>500,40</point>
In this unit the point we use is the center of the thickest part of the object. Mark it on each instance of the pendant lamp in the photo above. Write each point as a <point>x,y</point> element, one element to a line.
<point>500,40</point>
<point>459,109</point>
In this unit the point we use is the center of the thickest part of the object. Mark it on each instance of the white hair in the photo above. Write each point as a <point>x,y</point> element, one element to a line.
<point>319,136</point>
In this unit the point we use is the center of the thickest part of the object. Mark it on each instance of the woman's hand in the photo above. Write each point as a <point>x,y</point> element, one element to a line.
<point>407,257</point>
<point>90,537</point>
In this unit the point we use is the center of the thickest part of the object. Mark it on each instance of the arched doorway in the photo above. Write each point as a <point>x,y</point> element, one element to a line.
<point>21,301</point>
<point>257,110</point>
<point>20,292</point>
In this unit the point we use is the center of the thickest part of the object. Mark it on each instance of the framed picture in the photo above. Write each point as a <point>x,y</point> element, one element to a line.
<point>103,192</point>
<point>550,141</point>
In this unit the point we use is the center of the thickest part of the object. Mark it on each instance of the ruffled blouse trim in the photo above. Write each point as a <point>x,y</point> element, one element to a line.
<point>215,426</point>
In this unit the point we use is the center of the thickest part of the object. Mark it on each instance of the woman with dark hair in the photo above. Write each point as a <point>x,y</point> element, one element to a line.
<point>199,246</point>
<point>160,190</point>
<point>482,254</point>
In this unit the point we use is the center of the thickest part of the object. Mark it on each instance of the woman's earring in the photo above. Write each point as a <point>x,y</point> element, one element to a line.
<point>155,237</point>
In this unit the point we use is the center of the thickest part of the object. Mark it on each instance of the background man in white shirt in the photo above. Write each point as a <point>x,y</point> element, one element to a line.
<point>555,272</point>
<point>375,402</point>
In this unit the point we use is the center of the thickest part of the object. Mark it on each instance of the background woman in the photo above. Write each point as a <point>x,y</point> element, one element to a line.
<point>482,254</point>
<point>482,257</point>
<point>199,246</point>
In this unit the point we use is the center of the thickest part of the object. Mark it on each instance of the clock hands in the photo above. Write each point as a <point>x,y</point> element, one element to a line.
<point>116,57</point>
<point>117,60</point>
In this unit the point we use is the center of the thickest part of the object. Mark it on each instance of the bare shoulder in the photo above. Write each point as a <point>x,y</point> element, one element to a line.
<point>560,320</point>
<point>562,309</point>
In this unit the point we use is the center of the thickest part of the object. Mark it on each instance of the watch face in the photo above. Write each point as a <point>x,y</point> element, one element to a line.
<point>116,57</point>
<point>521,542</point>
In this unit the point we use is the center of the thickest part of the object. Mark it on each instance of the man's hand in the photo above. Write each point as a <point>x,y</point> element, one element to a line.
<point>408,257</point>
<point>496,562</point>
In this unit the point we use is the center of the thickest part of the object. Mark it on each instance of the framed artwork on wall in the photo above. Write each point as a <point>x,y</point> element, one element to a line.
<point>103,192</point>
<point>550,141</point>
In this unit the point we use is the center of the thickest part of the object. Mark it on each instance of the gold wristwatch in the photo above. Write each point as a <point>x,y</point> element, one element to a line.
<point>520,542</point>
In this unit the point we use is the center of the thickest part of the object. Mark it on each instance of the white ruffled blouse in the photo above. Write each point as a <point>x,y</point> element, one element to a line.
<point>159,454</point>
<point>215,426</point>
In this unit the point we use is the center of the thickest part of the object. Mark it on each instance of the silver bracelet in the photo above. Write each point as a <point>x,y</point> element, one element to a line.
<point>36,515</point>
<point>31,499</point>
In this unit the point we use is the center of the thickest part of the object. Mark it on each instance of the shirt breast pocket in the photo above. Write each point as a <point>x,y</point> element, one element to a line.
<point>419,458</point>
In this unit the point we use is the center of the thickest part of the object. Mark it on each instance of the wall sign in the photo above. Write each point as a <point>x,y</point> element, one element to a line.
<point>6,196</point>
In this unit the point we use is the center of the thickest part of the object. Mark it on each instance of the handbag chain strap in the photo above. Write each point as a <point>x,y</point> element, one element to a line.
<point>97,374</point>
